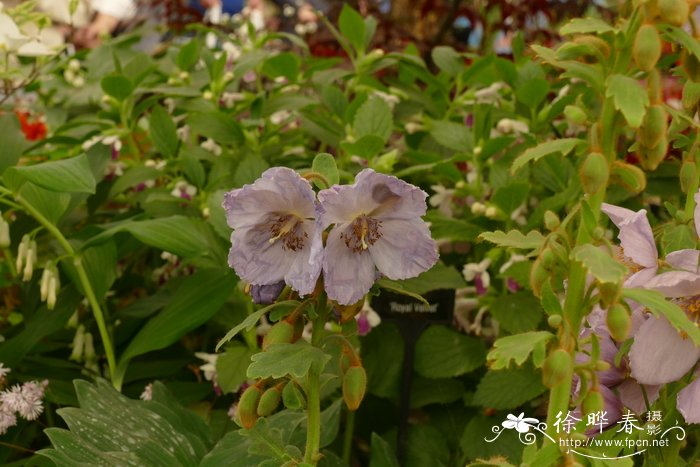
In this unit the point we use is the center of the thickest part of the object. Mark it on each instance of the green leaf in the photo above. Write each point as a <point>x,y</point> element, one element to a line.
<point>374,118</point>
<point>249,169</point>
<point>563,146</point>
<point>514,239</point>
<point>511,197</point>
<point>252,319</point>
<point>448,228</point>
<point>679,237</point>
<point>117,86</point>
<point>382,455</point>
<point>517,348</point>
<point>197,299</point>
<point>444,353</point>
<point>218,126</point>
<point>532,92</point>
<point>49,203</point>
<point>231,367</point>
<point>382,358</point>
<point>162,130</point>
<point>518,312</point>
<point>448,60</point>
<point>426,391</point>
<point>232,451</point>
<point>67,175</point>
<point>682,37</point>
<point>325,165</point>
<point>281,360</point>
<point>285,64</point>
<point>599,264</point>
<point>100,263</point>
<point>13,141</point>
<point>508,389</point>
<point>352,26</point>
<point>655,302</point>
<point>436,278</point>
<point>629,97</point>
<point>188,55</point>
<point>507,446</point>
<point>452,135</point>
<point>586,26</point>
<point>366,147</point>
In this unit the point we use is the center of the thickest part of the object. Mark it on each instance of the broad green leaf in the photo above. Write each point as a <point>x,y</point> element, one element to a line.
<point>366,147</point>
<point>13,141</point>
<point>517,348</point>
<point>514,239</point>
<point>163,132</point>
<point>508,389</point>
<point>280,360</point>
<point>655,302</point>
<point>188,55</point>
<point>448,228</point>
<point>67,175</point>
<point>558,146</point>
<point>352,26</point>
<point>444,353</point>
<point>438,277</point>
<point>232,451</point>
<point>249,169</point>
<point>231,367</point>
<point>100,264</point>
<point>599,264</point>
<point>252,319</point>
<point>198,299</point>
<point>682,37</point>
<point>532,92</point>
<point>374,118</point>
<point>382,358</point>
<point>498,453</point>
<point>382,454</point>
<point>218,126</point>
<point>285,64</point>
<point>448,60</point>
<point>518,312</point>
<point>325,165</point>
<point>426,446</point>
<point>511,197</point>
<point>452,135</point>
<point>425,391</point>
<point>50,204</point>
<point>117,86</point>
<point>586,26</point>
<point>679,237</point>
<point>629,97</point>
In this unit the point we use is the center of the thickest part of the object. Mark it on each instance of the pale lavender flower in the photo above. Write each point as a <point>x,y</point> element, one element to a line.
<point>7,419</point>
<point>367,319</point>
<point>12,399</point>
<point>275,237</point>
<point>377,225</point>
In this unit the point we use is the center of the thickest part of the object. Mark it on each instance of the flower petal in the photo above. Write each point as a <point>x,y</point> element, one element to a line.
<point>632,397</point>
<point>306,268</point>
<point>256,260</point>
<point>687,260</point>
<point>405,249</point>
<point>347,276</point>
<point>641,277</point>
<point>676,284</point>
<point>636,236</point>
<point>696,213</point>
<point>659,355</point>
<point>688,402</point>
<point>616,214</point>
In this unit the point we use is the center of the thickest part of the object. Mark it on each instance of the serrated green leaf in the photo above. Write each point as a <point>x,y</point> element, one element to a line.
<point>249,169</point>
<point>231,367</point>
<point>163,132</point>
<point>518,312</point>
<point>682,37</point>
<point>629,97</point>
<point>508,389</point>
<point>452,135</point>
<point>352,26</point>
<point>426,391</point>
<point>252,319</point>
<point>517,348</point>
<point>514,239</point>
<point>679,237</point>
<point>586,26</point>
<point>188,55</point>
<point>374,117</point>
<point>448,228</point>
<point>448,60</point>
<point>382,455</point>
<point>438,277</point>
<point>117,86</point>
<point>444,353</point>
<point>557,146</point>
<point>599,264</point>
<point>366,147</point>
<point>218,126</point>
<point>281,360</point>
<point>285,64</point>
<point>655,302</point>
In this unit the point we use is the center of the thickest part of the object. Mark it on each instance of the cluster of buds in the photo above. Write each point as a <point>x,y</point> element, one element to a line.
<point>73,74</point>
<point>263,398</point>
<point>84,349</point>
<point>50,284</point>
<point>26,257</point>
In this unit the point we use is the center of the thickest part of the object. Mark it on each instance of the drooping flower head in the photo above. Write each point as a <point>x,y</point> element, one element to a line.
<point>377,226</point>
<point>274,229</point>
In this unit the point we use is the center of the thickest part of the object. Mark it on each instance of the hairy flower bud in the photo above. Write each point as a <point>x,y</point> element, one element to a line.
<point>557,367</point>
<point>551,221</point>
<point>646,50</point>
<point>609,292</point>
<point>354,387</point>
<point>688,175</point>
<point>594,173</point>
<point>292,396</point>
<point>618,321</point>
<point>690,96</point>
<point>554,321</point>
<point>593,402</point>
<point>280,333</point>
<point>691,65</point>
<point>575,114</point>
<point>630,177</point>
<point>674,12</point>
<point>269,401</point>
<point>654,126</point>
<point>652,157</point>
<point>538,276</point>
<point>248,407</point>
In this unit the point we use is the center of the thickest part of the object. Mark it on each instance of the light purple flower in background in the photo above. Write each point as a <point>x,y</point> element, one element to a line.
<point>274,231</point>
<point>377,224</point>
<point>638,249</point>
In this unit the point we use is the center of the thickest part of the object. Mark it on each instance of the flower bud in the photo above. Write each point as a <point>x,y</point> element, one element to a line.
<point>688,175</point>
<point>674,12</point>
<point>646,50</point>
<point>654,126</point>
<point>598,233</point>
<point>690,96</point>
<point>554,321</point>
<point>575,115</point>
<point>630,177</point>
<point>593,402</point>
<point>654,87</point>
<point>248,407</point>
<point>22,252</point>
<point>266,294</point>
<point>618,321</point>
<point>609,292</point>
<point>5,240</point>
<point>538,276</point>
<point>652,157</point>
<point>44,285</point>
<point>594,173</point>
<point>557,367</point>
<point>280,333</point>
<point>354,387</point>
<point>30,259</point>
<point>691,65</point>
<point>602,365</point>
<point>549,259</point>
<point>269,401</point>
<point>53,290</point>
<point>551,221</point>
<point>78,344</point>
<point>89,353</point>
<point>292,397</point>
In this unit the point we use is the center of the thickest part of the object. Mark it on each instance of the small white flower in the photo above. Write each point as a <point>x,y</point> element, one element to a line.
<point>233,412</point>
<point>521,424</point>
<point>442,199</point>
<point>491,212</point>
<point>514,258</point>
<point>390,99</point>
<point>73,64</point>
<point>478,208</point>
<point>478,272</point>
<point>413,127</point>
<point>4,370</point>
<point>208,368</point>
<point>208,95</point>
<point>158,164</point>
<point>507,126</point>
<point>490,94</point>
<point>211,146</point>
<point>184,190</point>
<point>7,419</point>
<point>147,393</point>
<point>280,116</point>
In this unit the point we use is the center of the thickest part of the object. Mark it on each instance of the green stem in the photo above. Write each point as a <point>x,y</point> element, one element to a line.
<point>82,274</point>
<point>313,392</point>
<point>347,440</point>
